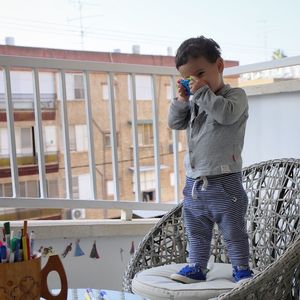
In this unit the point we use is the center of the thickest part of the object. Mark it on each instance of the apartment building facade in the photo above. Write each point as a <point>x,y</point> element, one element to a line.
<point>51,105</point>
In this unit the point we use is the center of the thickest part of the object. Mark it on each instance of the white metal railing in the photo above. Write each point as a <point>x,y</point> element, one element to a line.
<point>86,67</point>
<point>63,66</point>
<point>267,65</point>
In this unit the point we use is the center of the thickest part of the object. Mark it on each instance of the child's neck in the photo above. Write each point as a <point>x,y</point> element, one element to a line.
<point>220,86</point>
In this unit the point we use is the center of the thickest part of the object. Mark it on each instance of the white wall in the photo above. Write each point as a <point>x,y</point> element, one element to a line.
<point>273,129</point>
<point>83,271</point>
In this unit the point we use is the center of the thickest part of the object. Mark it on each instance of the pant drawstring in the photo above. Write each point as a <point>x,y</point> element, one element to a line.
<point>203,188</point>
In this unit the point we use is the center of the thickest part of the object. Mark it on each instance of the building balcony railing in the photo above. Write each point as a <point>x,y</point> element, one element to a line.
<point>27,159</point>
<point>28,164</point>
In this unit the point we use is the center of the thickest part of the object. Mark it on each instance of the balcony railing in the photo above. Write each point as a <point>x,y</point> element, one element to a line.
<point>110,69</point>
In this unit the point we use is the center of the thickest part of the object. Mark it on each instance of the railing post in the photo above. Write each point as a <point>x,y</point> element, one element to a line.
<point>126,215</point>
<point>39,133</point>
<point>136,171</point>
<point>91,152</point>
<point>113,137</point>
<point>156,140</point>
<point>11,134</point>
<point>66,142</point>
<point>175,150</point>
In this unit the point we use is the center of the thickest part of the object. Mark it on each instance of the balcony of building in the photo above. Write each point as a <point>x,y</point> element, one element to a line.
<point>120,167</point>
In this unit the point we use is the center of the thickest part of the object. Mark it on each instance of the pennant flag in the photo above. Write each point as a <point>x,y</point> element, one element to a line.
<point>78,250</point>
<point>94,252</point>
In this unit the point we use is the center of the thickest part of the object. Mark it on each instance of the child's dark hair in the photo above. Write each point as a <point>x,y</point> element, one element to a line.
<point>196,47</point>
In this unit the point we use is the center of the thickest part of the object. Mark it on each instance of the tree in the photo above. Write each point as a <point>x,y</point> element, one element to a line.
<point>278,54</point>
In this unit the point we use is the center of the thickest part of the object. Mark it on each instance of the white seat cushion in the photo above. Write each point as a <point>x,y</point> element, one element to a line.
<point>155,283</point>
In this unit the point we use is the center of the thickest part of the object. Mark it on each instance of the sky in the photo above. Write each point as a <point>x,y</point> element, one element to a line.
<point>247,31</point>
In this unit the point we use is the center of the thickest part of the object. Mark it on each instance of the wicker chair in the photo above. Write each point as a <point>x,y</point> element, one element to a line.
<point>273,224</point>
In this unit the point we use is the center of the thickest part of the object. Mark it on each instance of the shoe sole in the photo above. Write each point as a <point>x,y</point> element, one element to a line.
<point>243,280</point>
<point>184,279</point>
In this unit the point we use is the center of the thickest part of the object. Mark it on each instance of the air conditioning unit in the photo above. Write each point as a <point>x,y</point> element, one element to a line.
<point>78,213</point>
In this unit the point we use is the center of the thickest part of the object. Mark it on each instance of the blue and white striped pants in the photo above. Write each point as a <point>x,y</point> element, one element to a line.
<point>217,199</point>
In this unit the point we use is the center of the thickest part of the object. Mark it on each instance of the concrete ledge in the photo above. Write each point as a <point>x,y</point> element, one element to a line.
<point>284,86</point>
<point>86,228</point>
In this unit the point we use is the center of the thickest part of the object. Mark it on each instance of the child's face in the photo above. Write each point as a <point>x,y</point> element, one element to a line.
<point>203,72</point>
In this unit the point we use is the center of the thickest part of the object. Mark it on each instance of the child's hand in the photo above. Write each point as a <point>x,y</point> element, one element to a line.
<point>196,84</point>
<point>182,93</point>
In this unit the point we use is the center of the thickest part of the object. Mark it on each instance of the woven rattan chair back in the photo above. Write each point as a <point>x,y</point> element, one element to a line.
<point>273,189</point>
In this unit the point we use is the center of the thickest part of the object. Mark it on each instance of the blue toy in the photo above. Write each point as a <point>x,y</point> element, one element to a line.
<point>185,83</point>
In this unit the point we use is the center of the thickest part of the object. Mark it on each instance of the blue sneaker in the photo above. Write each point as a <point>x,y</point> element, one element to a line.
<point>242,274</point>
<point>189,274</point>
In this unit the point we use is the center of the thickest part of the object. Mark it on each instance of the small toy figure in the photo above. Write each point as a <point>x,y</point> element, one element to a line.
<point>47,251</point>
<point>185,83</point>
<point>67,250</point>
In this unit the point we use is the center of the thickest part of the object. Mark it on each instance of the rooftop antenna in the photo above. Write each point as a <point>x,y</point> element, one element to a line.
<point>80,4</point>
<point>81,24</point>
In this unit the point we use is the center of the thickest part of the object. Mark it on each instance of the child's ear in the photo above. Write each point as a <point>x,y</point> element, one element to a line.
<point>220,65</point>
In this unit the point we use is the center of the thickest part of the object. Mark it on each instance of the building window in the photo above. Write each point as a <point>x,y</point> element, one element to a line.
<point>81,137</point>
<point>172,179</point>
<point>107,140</point>
<point>6,190</point>
<point>75,186</point>
<point>82,187</point>
<point>50,138</point>
<point>145,134</point>
<point>21,83</point>
<point>148,196</point>
<point>109,187</point>
<point>104,91</point>
<point>78,86</point>
<point>143,85</point>
<point>147,181</point>
<point>4,141</point>
<point>171,147</point>
<point>32,189</point>
<point>72,138</point>
<point>74,87</point>
<point>78,138</point>
<point>29,189</point>
<point>24,140</point>
<point>52,186</point>
<point>168,91</point>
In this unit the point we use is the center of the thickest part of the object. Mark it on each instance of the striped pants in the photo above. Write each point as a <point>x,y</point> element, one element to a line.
<point>216,199</point>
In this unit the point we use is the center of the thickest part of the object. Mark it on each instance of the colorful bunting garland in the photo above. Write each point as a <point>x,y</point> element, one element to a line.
<point>78,251</point>
<point>94,253</point>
